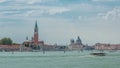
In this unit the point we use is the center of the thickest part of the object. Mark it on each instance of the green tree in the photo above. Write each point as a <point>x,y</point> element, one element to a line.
<point>0,42</point>
<point>6,41</point>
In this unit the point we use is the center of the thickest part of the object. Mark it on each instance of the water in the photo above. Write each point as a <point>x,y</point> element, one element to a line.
<point>58,59</point>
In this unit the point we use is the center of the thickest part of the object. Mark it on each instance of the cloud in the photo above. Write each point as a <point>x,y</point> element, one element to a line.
<point>57,10</point>
<point>34,1</point>
<point>27,1</point>
<point>87,8</point>
<point>111,15</point>
<point>47,10</point>
<point>104,0</point>
<point>30,8</point>
<point>1,1</point>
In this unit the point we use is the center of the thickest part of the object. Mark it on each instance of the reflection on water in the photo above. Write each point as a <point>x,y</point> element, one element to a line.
<point>59,59</point>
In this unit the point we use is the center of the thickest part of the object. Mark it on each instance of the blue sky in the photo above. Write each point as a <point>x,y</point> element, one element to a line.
<point>61,20</point>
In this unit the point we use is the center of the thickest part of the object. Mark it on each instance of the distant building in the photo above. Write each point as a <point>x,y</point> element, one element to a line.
<point>8,48</point>
<point>34,42</point>
<point>76,45</point>
<point>104,46</point>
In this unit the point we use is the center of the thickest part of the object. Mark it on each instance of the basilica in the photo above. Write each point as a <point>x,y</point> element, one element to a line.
<point>76,45</point>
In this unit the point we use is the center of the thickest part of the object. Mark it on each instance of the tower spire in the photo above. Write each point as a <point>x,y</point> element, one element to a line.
<point>36,34</point>
<point>36,27</point>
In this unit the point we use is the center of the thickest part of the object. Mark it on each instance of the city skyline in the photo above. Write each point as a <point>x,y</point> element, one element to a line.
<point>61,20</point>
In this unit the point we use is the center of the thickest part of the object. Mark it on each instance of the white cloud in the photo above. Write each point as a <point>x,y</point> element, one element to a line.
<point>57,10</point>
<point>111,15</point>
<point>1,1</point>
<point>32,10</point>
<point>34,1</point>
<point>47,10</point>
<point>29,8</point>
<point>28,1</point>
<point>104,0</point>
<point>31,2</point>
<point>82,18</point>
<point>86,8</point>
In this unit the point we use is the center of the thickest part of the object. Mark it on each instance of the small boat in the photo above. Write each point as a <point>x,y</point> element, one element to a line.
<point>98,54</point>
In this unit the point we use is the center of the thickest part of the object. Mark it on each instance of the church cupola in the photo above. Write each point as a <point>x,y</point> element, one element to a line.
<point>78,41</point>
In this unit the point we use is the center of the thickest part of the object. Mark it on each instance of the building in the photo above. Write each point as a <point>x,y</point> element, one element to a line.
<point>105,46</point>
<point>8,48</point>
<point>76,45</point>
<point>34,43</point>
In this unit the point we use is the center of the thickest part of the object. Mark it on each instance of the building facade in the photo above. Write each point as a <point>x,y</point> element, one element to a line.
<point>105,46</point>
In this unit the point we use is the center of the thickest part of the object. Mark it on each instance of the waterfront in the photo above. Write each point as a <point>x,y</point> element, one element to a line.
<point>58,59</point>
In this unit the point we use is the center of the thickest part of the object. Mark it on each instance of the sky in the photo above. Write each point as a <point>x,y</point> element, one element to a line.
<point>95,21</point>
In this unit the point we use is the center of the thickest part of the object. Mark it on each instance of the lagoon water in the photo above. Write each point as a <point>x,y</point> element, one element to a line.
<point>59,59</point>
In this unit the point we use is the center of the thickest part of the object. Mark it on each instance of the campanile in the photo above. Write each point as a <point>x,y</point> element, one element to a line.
<point>36,34</point>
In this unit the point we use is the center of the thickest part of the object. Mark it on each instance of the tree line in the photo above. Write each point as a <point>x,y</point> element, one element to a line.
<point>6,41</point>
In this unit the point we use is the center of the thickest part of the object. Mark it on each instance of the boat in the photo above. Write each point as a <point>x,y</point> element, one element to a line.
<point>98,54</point>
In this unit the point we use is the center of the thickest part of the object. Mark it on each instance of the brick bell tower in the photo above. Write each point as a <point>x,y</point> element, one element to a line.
<point>36,35</point>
